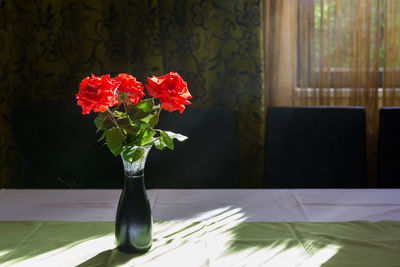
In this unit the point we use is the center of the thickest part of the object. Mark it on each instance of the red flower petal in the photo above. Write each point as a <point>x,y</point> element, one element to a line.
<point>97,93</point>
<point>171,90</point>
<point>129,85</point>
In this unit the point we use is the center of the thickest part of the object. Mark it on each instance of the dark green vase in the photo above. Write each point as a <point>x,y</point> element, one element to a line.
<point>133,224</point>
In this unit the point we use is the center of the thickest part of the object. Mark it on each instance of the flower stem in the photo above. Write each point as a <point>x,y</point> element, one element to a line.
<point>116,124</point>
<point>159,111</point>
<point>126,110</point>
<point>112,117</point>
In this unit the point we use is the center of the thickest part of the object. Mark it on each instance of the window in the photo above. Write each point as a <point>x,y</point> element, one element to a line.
<point>347,44</point>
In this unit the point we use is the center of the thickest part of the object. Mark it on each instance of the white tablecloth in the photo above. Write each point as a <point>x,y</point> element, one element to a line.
<point>252,205</point>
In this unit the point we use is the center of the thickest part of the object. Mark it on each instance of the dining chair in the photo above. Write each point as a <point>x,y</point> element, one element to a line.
<point>389,147</point>
<point>59,148</point>
<point>209,158</point>
<point>315,147</point>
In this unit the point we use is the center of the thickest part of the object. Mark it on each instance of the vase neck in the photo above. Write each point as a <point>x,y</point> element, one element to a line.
<point>136,168</point>
<point>135,182</point>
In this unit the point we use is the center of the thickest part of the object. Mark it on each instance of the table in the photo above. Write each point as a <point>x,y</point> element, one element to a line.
<point>300,227</point>
<point>252,205</point>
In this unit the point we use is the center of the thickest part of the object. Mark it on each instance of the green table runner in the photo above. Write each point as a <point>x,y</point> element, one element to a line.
<point>222,243</point>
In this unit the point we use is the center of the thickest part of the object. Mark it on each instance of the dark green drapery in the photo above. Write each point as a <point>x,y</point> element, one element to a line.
<point>47,47</point>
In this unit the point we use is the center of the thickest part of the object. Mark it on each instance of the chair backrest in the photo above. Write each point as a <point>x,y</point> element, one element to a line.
<point>315,147</point>
<point>59,148</point>
<point>208,159</point>
<point>389,147</point>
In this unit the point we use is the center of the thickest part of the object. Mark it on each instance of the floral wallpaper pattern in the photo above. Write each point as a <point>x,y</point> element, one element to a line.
<point>47,46</point>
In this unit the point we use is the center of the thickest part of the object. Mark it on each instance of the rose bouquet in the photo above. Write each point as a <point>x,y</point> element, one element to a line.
<point>127,119</point>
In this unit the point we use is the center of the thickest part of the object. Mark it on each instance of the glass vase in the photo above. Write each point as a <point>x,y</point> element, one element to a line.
<point>133,224</point>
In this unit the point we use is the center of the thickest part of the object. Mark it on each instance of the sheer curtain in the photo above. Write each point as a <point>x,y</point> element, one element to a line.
<point>346,52</point>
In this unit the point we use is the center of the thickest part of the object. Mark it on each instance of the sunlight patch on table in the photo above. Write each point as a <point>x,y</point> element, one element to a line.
<point>187,243</point>
<point>218,214</point>
<point>4,252</point>
<point>69,255</point>
<point>220,220</point>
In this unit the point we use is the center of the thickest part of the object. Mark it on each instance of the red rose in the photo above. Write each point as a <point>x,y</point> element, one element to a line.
<point>130,86</point>
<point>171,90</point>
<point>97,93</point>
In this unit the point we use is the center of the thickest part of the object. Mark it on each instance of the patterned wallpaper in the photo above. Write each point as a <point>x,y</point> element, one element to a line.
<point>48,46</point>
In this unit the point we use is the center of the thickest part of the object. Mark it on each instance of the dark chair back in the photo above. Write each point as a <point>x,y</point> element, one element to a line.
<point>315,147</point>
<point>208,159</point>
<point>59,148</point>
<point>389,147</point>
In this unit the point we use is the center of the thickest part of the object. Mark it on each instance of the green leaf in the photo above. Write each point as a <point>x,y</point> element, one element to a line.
<point>119,114</point>
<point>139,115</point>
<point>129,126</point>
<point>108,123</point>
<point>159,144</point>
<point>156,107</point>
<point>131,155</point>
<point>144,135</point>
<point>133,128</point>
<point>102,136</point>
<point>147,118</point>
<point>147,134</point>
<point>114,140</point>
<point>98,121</point>
<point>177,136</point>
<point>131,110</point>
<point>136,114</point>
<point>142,111</point>
<point>166,140</point>
<point>153,121</point>
<point>146,105</point>
<point>123,123</point>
